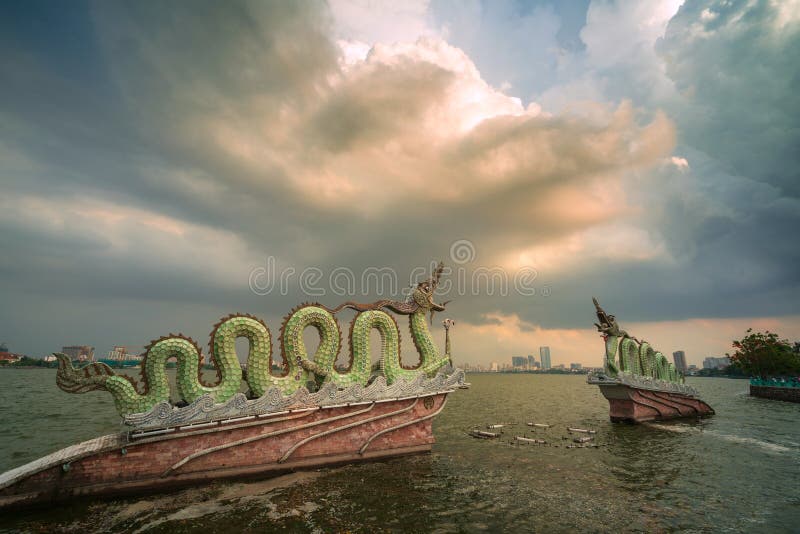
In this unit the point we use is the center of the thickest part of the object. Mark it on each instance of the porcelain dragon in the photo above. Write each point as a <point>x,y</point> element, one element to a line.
<point>625,353</point>
<point>299,370</point>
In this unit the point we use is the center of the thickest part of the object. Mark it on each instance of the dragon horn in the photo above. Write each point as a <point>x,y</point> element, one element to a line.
<point>437,273</point>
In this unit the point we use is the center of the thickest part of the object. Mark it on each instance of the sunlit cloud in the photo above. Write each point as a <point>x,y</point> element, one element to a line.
<point>645,149</point>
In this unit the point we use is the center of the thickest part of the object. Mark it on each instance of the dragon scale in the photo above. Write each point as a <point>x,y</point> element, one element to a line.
<point>625,353</point>
<point>299,367</point>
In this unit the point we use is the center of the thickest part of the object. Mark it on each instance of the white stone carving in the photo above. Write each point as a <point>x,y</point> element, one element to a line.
<point>205,409</point>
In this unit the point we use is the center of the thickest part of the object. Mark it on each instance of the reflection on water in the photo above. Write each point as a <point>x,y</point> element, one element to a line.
<point>737,470</point>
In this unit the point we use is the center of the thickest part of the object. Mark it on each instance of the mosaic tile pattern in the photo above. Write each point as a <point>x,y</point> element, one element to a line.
<point>300,368</point>
<point>626,354</point>
<point>643,382</point>
<point>274,400</point>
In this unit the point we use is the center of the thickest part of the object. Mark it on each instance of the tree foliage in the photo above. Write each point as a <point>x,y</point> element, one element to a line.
<point>765,354</point>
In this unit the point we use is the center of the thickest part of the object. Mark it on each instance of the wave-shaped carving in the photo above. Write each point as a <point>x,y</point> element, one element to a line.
<point>205,409</point>
<point>643,382</point>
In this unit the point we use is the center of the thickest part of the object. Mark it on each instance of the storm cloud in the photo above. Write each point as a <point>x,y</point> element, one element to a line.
<point>152,156</point>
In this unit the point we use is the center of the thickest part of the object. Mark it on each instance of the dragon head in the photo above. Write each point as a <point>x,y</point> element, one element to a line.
<point>423,293</point>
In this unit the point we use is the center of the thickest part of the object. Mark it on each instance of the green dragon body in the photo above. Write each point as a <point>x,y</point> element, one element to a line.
<point>299,368</point>
<point>627,354</point>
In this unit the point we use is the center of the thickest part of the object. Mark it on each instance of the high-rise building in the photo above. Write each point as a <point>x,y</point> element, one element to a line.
<point>680,361</point>
<point>531,361</point>
<point>494,367</point>
<point>519,361</point>
<point>544,355</point>
<point>575,367</point>
<point>83,353</point>
<point>716,363</point>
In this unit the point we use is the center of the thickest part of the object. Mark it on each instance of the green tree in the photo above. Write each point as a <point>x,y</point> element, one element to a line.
<point>765,354</point>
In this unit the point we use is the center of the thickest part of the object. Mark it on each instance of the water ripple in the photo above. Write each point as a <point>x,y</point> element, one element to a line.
<point>655,477</point>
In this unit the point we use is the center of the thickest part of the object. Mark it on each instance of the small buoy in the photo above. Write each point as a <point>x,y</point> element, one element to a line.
<point>583,439</point>
<point>495,426</point>
<point>582,430</point>
<point>539,425</point>
<point>529,440</point>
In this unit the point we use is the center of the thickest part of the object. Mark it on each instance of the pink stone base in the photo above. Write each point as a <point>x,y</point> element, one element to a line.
<point>631,405</point>
<point>236,449</point>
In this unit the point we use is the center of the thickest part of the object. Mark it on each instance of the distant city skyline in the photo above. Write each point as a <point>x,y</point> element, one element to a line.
<point>114,352</point>
<point>519,361</point>
<point>679,357</point>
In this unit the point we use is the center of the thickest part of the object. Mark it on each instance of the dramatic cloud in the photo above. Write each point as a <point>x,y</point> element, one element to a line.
<point>152,156</point>
<point>735,66</point>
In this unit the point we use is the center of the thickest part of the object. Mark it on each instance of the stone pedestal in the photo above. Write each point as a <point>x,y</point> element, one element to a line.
<point>634,405</point>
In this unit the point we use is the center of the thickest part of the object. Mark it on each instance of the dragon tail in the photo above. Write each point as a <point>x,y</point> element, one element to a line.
<point>81,380</point>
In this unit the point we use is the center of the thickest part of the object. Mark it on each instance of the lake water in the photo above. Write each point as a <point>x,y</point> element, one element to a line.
<point>736,471</point>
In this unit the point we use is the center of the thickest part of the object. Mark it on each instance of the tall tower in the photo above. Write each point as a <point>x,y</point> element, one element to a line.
<point>680,360</point>
<point>544,355</point>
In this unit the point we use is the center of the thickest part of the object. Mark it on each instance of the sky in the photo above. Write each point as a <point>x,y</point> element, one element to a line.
<point>165,164</point>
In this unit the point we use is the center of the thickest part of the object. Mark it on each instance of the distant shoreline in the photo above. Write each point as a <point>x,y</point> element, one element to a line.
<point>27,367</point>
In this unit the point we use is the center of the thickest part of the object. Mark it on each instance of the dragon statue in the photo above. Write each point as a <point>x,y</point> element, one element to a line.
<point>299,369</point>
<point>635,357</point>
